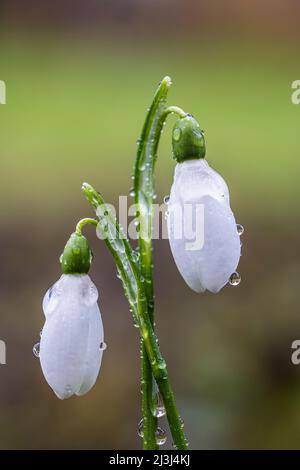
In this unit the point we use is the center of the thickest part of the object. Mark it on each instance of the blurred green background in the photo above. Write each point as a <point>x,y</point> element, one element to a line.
<point>79,78</point>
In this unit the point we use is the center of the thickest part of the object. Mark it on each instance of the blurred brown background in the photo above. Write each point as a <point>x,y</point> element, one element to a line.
<point>79,77</point>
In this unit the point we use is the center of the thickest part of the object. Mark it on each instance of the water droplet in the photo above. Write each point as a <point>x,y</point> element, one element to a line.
<point>181,423</point>
<point>154,196</point>
<point>131,192</point>
<point>240,229</point>
<point>41,332</point>
<point>235,279</point>
<point>166,199</point>
<point>138,141</point>
<point>161,437</point>
<point>158,406</point>
<point>141,428</point>
<point>167,213</point>
<point>136,255</point>
<point>162,364</point>
<point>118,275</point>
<point>176,134</point>
<point>102,346</point>
<point>36,350</point>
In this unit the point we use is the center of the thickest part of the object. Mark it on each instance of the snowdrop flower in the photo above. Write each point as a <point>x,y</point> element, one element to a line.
<point>71,345</point>
<point>196,185</point>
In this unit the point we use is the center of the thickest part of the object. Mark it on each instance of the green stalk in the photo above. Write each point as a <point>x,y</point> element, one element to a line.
<point>130,275</point>
<point>144,190</point>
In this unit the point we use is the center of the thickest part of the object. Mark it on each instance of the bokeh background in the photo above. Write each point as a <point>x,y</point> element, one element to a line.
<point>79,78</point>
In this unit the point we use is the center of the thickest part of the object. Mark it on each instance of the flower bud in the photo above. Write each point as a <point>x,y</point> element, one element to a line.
<point>77,256</point>
<point>199,197</point>
<point>71,344</point>
<point>187,139</point>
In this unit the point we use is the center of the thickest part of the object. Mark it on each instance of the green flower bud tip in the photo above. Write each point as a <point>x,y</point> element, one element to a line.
<point>77,256</point>
<point>187,139</point>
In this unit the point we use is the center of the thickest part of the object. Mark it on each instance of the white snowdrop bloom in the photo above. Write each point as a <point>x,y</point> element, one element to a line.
<point>210,263</point>
<point>71,344</point>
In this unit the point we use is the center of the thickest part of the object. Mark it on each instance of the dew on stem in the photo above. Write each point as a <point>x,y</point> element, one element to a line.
<point>161,436</point>
<point>158,406</point>
<point>141,428</point>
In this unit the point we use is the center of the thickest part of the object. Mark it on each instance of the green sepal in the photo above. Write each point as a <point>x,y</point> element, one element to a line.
<point>187,139</point>
<point>77,256</point>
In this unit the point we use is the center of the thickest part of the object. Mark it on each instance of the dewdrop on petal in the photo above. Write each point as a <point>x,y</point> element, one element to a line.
<point>195,184</point>
<point>72,340</point>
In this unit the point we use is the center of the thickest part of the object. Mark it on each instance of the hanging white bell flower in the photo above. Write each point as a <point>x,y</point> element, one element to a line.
<point>200,198</point>
<point>71,345</point>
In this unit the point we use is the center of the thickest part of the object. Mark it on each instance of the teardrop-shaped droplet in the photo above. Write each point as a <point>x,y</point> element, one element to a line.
<point>240,229</point>
<point>161,436</point>
<point>136,255</point>
<point>141,428</point>
<point>36,350</point>
<point>102,346</point>
<point>235,279</point>
<point>176,134</point>
<point>166,199</point>
<point>131,192</point>
<point>158,406</point>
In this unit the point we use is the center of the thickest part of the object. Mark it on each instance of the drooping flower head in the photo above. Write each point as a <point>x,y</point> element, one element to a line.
<point>199,199</point>
<point>72,340</point>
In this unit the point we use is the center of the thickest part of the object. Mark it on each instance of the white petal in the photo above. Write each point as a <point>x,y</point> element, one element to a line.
<point>93,355</point>
<point>67,339</point>
<point>210,265</point>
<point>195,178</point>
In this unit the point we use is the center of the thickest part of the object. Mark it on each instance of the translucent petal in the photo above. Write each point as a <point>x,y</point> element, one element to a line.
<point>93,355</point>
<point>73,326</point>
<point>209,263</point>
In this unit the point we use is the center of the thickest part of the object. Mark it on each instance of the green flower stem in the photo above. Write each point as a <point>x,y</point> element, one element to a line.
<point>144,190</point>
<point>175,110</point>
<point>130,275</point>
<point>149,420</point>
<point>84,222</point>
